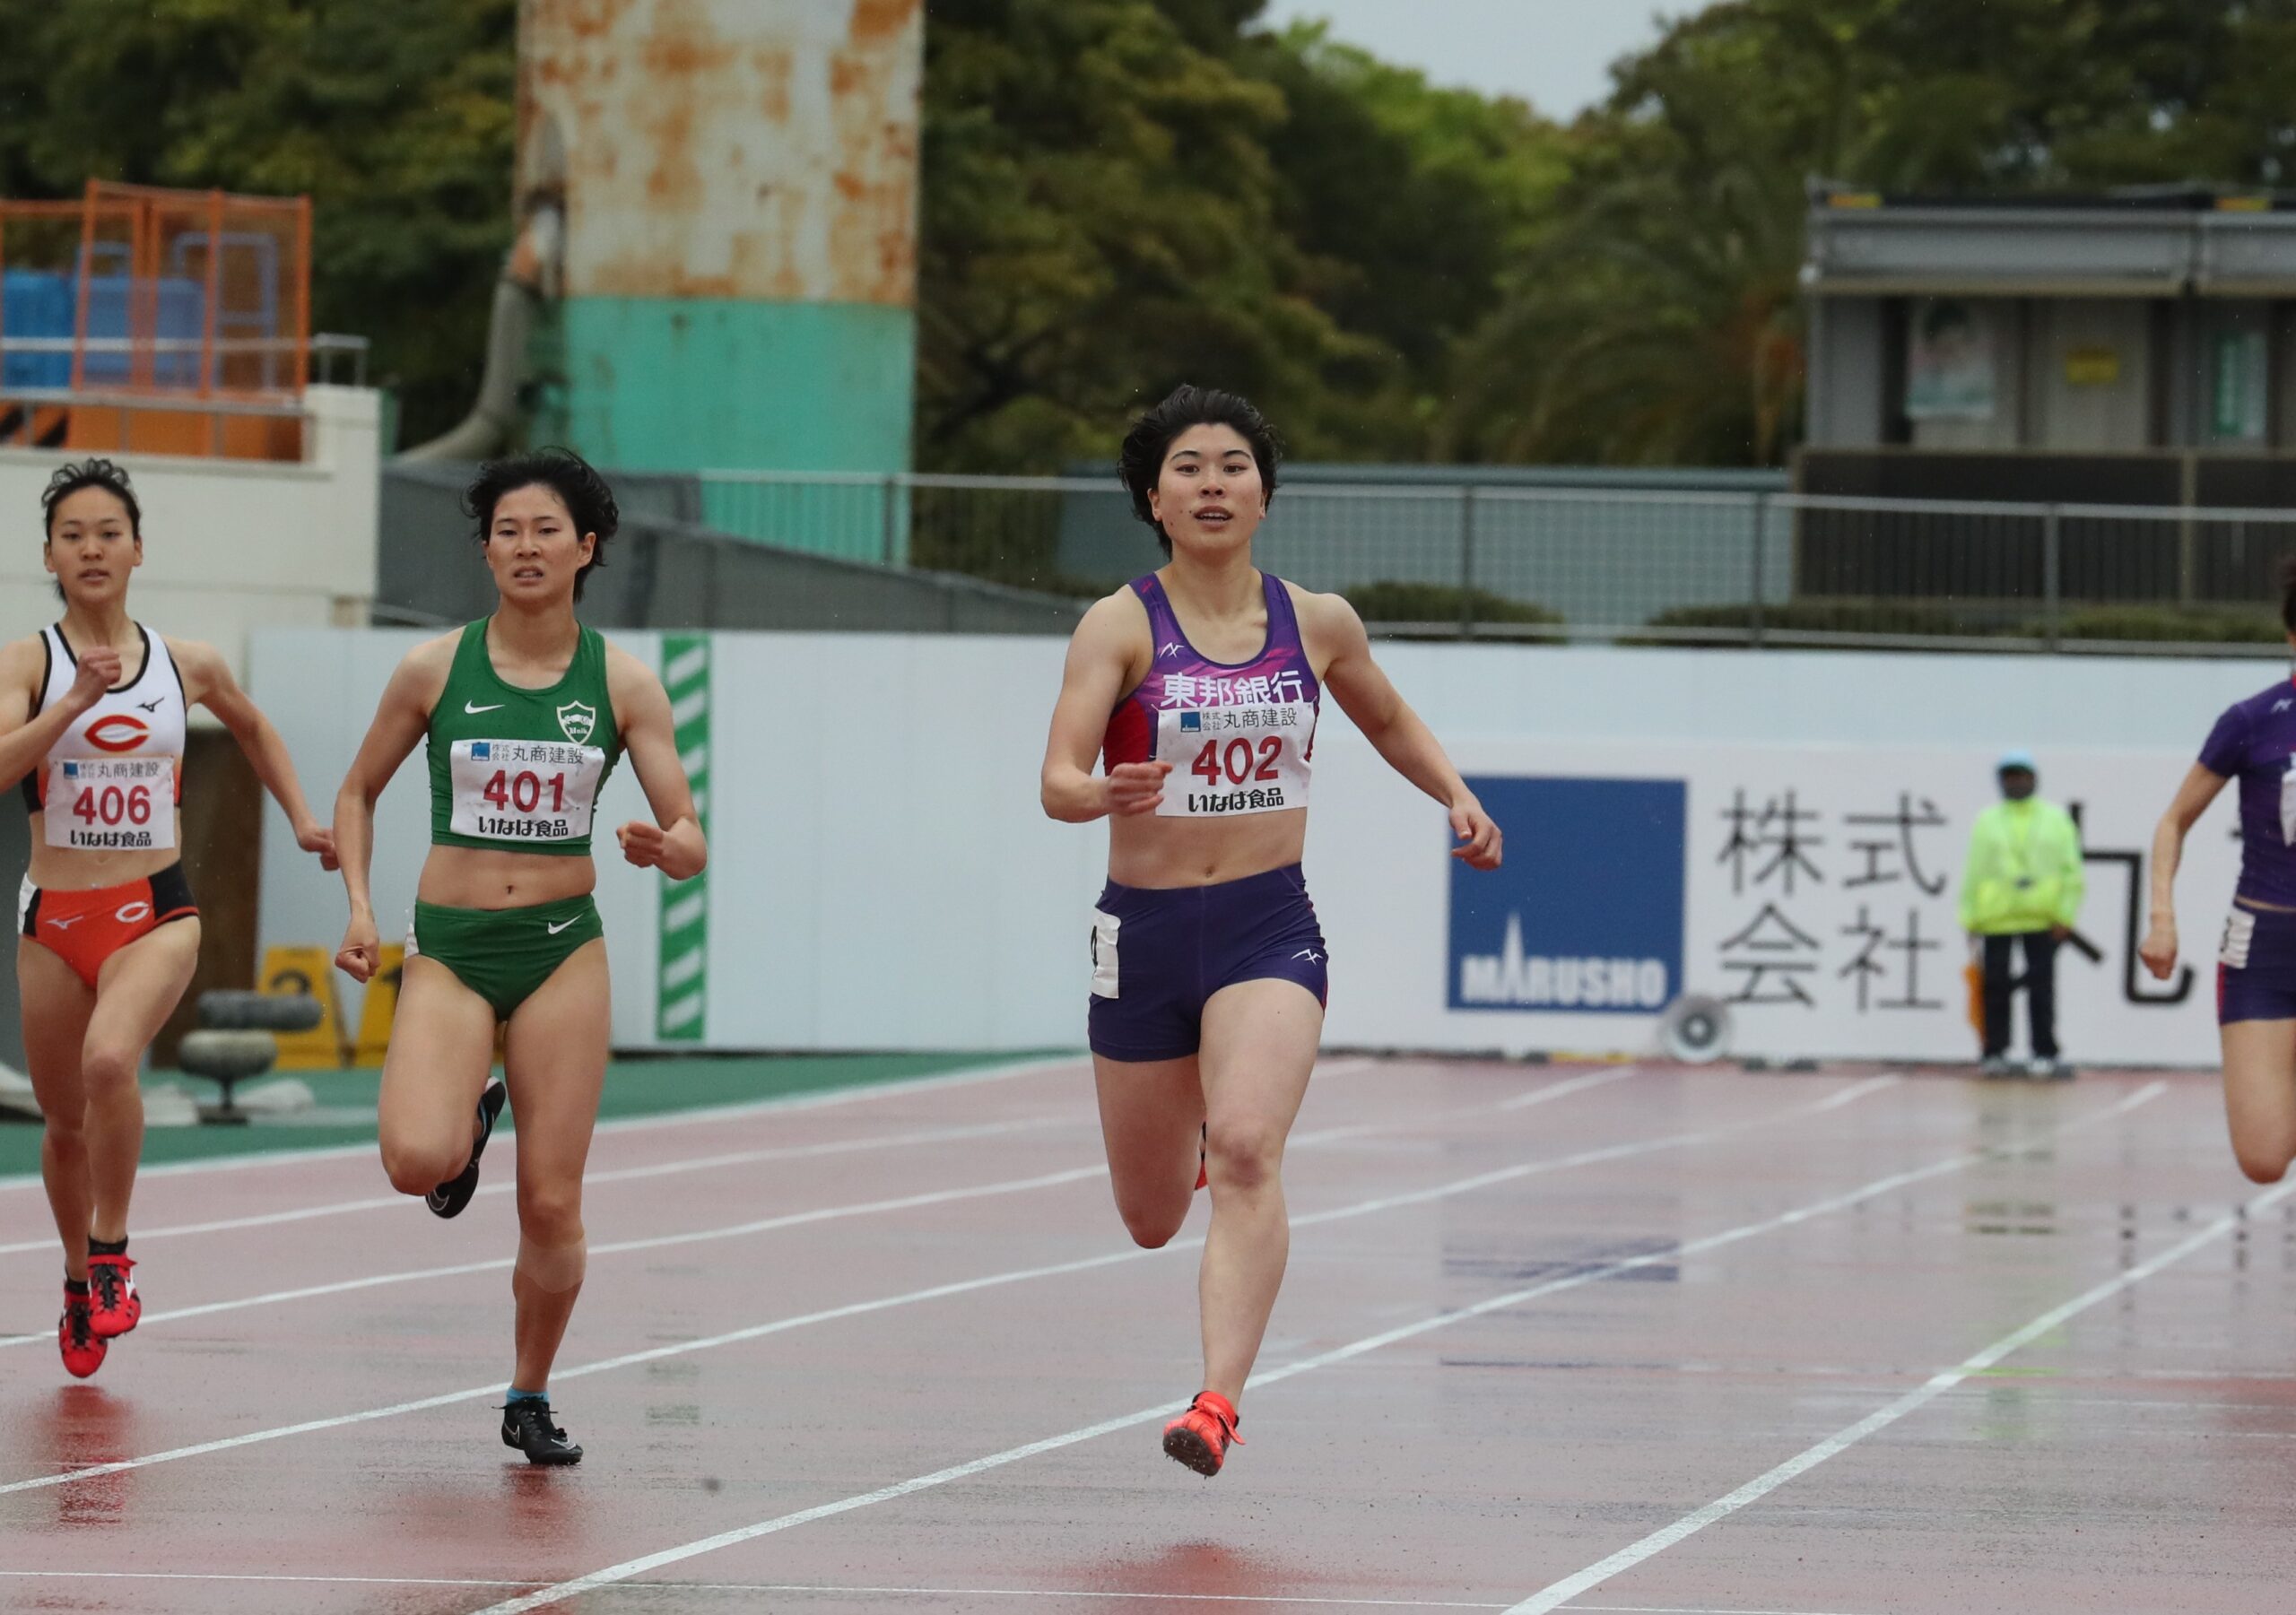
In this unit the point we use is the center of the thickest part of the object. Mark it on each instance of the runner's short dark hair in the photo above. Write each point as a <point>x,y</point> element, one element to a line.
<point>587,497</point>
<point>1141,461</point>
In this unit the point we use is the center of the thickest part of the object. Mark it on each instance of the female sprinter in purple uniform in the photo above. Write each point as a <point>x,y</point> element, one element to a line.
<point>92,721</point>
<point>1201,684</point>
<point>2254,743</point>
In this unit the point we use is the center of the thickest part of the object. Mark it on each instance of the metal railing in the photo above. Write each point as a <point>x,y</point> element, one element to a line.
<point>1647,566</point>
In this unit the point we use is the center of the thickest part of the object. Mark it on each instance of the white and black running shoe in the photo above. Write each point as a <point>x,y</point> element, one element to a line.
<point>527,1426</point>
<point>451,1197</point>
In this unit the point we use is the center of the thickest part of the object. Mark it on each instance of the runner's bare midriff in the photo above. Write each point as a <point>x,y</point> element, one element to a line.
<point>83,869</point>
<point>485,877</point>
<point>1156,852</point>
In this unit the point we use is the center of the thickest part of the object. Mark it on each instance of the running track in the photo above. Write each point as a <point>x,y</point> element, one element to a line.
<point>1606,1338</point>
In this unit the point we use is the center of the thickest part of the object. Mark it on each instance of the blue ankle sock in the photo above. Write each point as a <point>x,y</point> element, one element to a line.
<point>517,1396</point>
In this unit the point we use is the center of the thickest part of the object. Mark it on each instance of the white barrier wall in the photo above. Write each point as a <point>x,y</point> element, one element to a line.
<point>230,546</point>
<point>1785,830</point>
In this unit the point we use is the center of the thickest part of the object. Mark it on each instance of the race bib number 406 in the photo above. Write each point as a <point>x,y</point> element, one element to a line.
<point>538,791</point>
<point>111,803</point>
<point>1235,759</point>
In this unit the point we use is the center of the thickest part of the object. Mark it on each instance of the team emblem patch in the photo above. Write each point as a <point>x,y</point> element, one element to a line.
<point>578,720</point>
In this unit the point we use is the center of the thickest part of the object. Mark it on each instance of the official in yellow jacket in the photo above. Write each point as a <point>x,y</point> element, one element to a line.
<point>2022,884</point>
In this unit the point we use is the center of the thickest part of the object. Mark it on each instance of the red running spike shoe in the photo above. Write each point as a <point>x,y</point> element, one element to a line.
<point>115,1307</point>
<point>84,1348</point>
<point>1200,1437</point>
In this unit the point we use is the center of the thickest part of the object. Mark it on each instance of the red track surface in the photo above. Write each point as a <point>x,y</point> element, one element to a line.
<point>1609,1398</point>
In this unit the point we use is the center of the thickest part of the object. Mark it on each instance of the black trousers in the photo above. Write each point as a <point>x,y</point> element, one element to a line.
<point>2039,981</point>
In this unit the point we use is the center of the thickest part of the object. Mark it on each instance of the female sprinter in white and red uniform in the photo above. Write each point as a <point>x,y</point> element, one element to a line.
<point>92,721</point>
<point>1202,683</point>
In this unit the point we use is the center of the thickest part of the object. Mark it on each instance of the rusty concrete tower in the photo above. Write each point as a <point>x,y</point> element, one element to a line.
<point>737,180</point>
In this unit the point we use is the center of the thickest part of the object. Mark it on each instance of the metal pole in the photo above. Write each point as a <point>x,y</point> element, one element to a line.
<point>2188,535</point>
<point>891,531</point>
<point>1466,563</point>
<point>2052,573</point>
<point>1762,532</point>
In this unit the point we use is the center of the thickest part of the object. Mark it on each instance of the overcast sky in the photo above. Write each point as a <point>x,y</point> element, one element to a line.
<point>1553,54</point>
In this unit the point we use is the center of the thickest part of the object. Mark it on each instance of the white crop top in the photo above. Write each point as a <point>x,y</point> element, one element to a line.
<point>112,781</point>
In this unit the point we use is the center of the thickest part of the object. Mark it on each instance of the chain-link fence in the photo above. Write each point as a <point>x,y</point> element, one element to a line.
<point>1658,566</point>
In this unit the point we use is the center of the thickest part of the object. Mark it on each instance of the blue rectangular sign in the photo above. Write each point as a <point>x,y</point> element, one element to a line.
<point>1586,914</point>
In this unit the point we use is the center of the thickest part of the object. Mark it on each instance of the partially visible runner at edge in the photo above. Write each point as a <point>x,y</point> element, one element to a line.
<point>524,713</point>
<point>1201,684</point>
<point>2254,741</point>
<point>92,722</point>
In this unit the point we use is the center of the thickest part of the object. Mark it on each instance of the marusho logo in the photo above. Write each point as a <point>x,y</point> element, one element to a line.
<point>1586,915</point>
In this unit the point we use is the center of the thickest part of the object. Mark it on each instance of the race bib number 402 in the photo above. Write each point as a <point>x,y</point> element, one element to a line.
<point>1235,759</point>
<point>111,803</point>
<point>537,791</point>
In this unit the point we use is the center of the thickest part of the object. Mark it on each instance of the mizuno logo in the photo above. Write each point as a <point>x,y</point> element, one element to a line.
<point>67,924</point>
<point>2283,704</point>
<point>153,704</point>
<point>468,706</point>
<point>1310,955</point>
<point>1173,649</point>
<point>562,925</point>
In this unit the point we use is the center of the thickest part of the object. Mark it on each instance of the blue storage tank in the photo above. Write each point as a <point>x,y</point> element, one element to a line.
<point>41,303</point>
<point>36,302</point>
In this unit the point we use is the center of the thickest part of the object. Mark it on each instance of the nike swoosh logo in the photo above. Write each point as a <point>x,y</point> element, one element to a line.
<point>562,925</point>
<point>468,707</point>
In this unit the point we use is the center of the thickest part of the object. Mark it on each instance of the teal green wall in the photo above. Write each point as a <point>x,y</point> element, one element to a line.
<point>699,384</point>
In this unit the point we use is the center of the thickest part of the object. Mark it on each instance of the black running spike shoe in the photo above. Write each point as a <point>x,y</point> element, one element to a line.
<point>527,1426</point>
<point>451,1197</point>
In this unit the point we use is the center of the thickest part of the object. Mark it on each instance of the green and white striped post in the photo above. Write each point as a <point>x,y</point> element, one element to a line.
<point>682,998</point>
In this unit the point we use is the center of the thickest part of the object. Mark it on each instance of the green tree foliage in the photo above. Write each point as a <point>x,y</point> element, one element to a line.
<point>1656,320</point>
<point>396,119</point>
<point>1122,195</point>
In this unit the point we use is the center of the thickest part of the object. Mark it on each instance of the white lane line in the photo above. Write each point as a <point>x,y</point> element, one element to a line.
<point>1400,1124</point>
<point>704,1163</point>
<point>1594,1080</point>
<point>816,1100</point>
<point>749,1586</point>
<point>1585,1158</point>
<point>763,1225</point>
<point>1652,1609</point>
<point>744,1158</point>
<point>1674,1253</point>
<point>835,1314</point>
<point>1557,1594</point>
<point>1871,1085</point>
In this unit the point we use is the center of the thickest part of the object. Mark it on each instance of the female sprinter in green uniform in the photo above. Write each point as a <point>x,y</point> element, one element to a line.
<point>525,713</point>
<point>92,722</point>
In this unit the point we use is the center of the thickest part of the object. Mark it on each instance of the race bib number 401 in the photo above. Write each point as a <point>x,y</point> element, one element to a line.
<point>1235,759</point>
<point>111,803</point>
<point>536,791</point>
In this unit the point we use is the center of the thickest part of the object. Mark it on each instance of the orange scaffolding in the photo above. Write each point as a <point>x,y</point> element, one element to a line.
<point>158,321</point>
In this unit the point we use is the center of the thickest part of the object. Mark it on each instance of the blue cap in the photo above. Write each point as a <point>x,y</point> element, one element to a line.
<point>2016,758</point>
